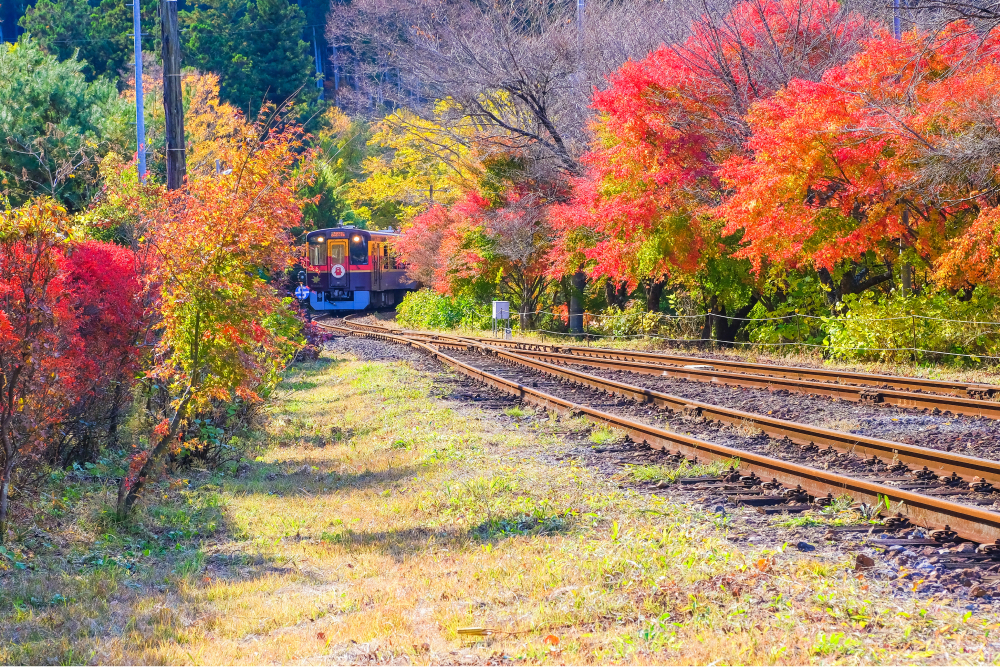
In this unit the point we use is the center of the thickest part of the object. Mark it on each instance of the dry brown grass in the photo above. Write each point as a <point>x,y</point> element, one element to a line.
<point>385,521</point>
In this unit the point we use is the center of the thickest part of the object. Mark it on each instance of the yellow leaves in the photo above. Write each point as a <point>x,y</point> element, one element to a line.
<point>424,164</point>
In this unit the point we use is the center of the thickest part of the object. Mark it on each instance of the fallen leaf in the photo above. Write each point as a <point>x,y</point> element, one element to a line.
<point>864,562</point>
<point>552,640</point>
<point>320,635</point>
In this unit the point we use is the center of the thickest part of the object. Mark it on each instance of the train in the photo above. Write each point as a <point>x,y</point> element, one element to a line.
<point>352,269</point>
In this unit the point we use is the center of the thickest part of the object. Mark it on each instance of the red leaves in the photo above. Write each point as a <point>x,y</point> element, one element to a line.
<point>668,123</point>
<point>837,164</point>
<point>162,429</point>
<point>477,240</point>
<point>42,356</point>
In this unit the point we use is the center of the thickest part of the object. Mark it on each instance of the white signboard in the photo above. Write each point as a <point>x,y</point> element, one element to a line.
<point>501,310</point>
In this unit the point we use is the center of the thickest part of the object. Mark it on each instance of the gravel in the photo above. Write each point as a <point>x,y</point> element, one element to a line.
<point>974,436</point>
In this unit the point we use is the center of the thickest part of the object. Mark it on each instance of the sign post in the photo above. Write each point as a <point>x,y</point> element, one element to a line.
<point>501,319</point>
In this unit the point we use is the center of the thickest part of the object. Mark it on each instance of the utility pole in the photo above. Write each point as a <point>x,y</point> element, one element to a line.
<point>578,281</point>
<point>173,101</point>
<point>140,122</point>
<point>905,270</point>
<point>319,64</point>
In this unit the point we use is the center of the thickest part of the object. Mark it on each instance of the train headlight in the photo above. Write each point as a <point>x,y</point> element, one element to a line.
<point>356,238</point>
<point>318,239</point>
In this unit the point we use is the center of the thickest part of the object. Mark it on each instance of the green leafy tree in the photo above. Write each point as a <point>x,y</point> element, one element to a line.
<point>335,166</point>
<point>255,46</point>
<point>100,36</point>
<point>55,125</point>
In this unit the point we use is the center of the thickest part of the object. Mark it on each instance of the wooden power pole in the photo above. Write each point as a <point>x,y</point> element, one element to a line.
<point>173,101</point>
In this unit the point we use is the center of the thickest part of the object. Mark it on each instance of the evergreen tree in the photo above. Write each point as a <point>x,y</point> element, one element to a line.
<point>111,29</point>
<point>62,27</point>
<point>100,36</point>
<point>56,126</point>
<point>255,46</point>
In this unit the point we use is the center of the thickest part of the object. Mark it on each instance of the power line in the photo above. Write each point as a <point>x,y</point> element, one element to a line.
<point>146,34</point>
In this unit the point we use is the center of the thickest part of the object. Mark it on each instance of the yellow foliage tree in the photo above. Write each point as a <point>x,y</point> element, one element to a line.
<point>209,123</point>
<point>418,163</point>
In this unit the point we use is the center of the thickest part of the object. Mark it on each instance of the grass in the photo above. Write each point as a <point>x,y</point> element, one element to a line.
<point>605,435</point>
<point>355,549</point>
<point>672,473</point>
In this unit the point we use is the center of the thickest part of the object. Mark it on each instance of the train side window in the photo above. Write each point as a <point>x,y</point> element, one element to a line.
<point>317,254</point>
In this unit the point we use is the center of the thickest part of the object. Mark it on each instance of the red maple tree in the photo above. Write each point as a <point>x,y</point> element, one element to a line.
<point>43,364</point>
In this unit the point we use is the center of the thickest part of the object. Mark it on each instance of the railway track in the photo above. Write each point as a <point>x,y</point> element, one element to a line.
<point>925,483</point>
<point>947,397</point>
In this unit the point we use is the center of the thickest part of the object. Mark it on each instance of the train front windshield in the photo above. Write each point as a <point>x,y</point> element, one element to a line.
<point>317,254</point>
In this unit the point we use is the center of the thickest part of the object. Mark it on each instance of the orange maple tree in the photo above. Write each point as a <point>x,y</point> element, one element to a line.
<point>668,122</point>
<point>216,240</point>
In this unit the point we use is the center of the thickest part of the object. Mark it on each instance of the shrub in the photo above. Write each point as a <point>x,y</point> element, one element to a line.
<point>884,328</point>
<point>427,309</point>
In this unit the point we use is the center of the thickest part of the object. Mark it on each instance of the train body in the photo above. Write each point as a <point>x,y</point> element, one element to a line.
<point>352,269</point>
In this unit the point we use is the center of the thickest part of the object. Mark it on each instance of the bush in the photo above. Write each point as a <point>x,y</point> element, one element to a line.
<point>633,320</point>
<point>874,328</point>
<point>427,309</point>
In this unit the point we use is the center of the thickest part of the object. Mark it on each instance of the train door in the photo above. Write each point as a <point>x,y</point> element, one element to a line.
<point>339,274</point>
<point>376,260</point>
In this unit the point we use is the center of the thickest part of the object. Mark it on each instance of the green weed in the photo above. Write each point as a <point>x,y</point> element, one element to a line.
<point>670,474</point>
<point>605,435</point>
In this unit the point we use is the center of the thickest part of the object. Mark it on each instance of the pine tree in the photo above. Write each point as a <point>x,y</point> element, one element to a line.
<point>100,36</point>
<point>255,46</point>
<point>61,27</point>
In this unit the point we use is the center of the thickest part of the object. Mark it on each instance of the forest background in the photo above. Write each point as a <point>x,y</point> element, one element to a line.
<point>764,172</point>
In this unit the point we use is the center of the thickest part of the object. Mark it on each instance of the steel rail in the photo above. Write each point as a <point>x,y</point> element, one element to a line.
<point>955,388</point>
<point>971,390</point>
<point>906,399</point>
<point>639,363</point>
<point>970,522</point>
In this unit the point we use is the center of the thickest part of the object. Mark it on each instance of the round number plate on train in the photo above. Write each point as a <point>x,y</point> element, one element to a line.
<point>339,270</point>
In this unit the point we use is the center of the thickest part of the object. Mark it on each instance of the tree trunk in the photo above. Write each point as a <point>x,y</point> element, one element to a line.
<point>905,271</point>
<point>726,329</point>
<point>654,290</point>
<point>706,329</point>
<point>127,495</point>
<point>113,417</point>
<point>615,293</point>
<point>4,502</point>
<point>9,451</point>
<point>579,284</point>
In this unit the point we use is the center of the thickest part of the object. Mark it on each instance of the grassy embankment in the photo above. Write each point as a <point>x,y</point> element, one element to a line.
<point>384,520</point>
